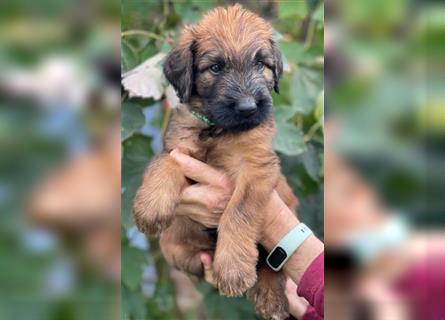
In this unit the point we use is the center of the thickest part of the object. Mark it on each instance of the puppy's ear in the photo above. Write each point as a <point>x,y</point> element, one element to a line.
<point>278,69</point>
<point>178,69</point>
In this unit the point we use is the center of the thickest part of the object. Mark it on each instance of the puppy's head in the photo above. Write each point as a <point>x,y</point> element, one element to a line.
<point>226,67</point>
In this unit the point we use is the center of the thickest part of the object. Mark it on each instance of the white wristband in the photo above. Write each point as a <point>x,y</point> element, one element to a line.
<point>287,246</point>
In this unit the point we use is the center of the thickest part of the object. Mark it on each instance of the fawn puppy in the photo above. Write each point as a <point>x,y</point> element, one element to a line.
<point>223,70</point>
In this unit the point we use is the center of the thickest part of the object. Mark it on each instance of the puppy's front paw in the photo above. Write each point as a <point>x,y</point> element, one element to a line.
<point>234,274</point>
<point>153,209</point>
<point>270,302</point>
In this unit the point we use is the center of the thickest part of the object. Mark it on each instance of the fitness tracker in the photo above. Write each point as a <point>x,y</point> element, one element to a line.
<point>287,246</point>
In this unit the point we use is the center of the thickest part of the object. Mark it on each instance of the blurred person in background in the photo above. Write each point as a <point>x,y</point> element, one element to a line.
<point>384,208</point>
<point>59,160</point>
<point>389,270</point>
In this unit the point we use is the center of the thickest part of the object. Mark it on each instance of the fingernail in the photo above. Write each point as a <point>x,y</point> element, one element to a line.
<point>205,259</point>
<point>179,157</point>
<point>175,153</point>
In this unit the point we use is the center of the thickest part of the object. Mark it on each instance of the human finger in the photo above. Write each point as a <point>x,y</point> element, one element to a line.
<point>198,213</point>
<point>197,170</point>
<point>297,304</point>
<point>209,197</point>
<point>207,263</point>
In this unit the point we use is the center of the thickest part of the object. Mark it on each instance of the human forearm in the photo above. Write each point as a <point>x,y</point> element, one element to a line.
<point>279,221</point>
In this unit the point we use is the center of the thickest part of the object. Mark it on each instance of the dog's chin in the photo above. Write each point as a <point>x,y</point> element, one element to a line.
<point>239,125</point>
<point>227,118</point>
<point>231,121</point>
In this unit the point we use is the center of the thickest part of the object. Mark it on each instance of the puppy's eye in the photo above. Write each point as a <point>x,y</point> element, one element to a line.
<point>215,68</point>
<point>260,65</point>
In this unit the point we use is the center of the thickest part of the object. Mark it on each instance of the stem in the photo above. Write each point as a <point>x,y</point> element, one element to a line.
<point>144,33</point>
<point>167,114</point>
<point>310,34</point>
<point>299,122</point>
<point>312,131</point>
<point>124,96</point>
<point>165,8</point>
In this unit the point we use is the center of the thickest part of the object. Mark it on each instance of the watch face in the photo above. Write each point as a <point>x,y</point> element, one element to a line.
<point>277,257</point>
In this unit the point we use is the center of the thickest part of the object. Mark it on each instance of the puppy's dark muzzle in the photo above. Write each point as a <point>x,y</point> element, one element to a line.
<point>246,107</point>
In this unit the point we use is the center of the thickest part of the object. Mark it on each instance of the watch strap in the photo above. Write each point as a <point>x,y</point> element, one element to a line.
<point>287,246</point>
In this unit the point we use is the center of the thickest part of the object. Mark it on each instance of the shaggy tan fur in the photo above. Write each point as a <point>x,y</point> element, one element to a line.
<point>246,157</point>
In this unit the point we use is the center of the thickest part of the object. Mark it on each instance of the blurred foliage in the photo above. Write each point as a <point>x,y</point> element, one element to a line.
<point>44,275</point>
<point>151,27</point>
<point>385,89</point>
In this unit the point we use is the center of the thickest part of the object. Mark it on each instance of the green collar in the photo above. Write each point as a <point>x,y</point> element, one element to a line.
<point>203,118</point>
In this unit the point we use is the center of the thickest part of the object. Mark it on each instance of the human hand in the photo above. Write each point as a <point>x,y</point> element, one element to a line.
<point>297,304</point>
<point>205,201</point>
<point>207,263</point>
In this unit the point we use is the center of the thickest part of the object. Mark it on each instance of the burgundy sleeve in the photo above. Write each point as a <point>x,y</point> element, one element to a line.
<point>311,286</point>
<point>311,314</point>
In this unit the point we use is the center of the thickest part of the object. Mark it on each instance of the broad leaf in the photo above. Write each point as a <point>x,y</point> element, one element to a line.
<point>289,139</point>
<point>136,154</point>
<point>295,52</point>
<point>306,89</point>
<point>132,119</point>
<point>146,80</point>
<point>132,262</point>
<point>128,56</point>
<point>133,304</point>
<point>284,113</point>
<point>295,9</point>
<point>319,13</point>
<point>311,162</point>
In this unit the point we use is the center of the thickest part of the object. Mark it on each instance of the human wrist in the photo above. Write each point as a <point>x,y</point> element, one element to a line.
<point>303,257</point>
<point>278,222</point>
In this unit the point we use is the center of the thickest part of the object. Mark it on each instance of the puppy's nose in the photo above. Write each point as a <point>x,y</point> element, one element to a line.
<point>246,107</point>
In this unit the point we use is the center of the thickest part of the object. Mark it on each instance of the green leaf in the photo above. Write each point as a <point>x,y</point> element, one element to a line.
<point>319,109</point>
<point>306,89</point>
<point>294,8</point>
<point>222,308</point>
<point>284,113</point>
<point>164,296</point>
<point>137,152</point>
<point>132,261</point>
<point>295,52</point>
<point>283,98</point>
<point>311,162</point>
<point>318,15</point>
<point>133,304</point>
<point>129,57</point>
<point>132,119</point>
<point>289,140</point>
<point>203,6</point>
<point>148,51</point>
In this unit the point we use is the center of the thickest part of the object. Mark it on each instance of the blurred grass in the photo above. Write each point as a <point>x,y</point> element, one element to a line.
<point>150,27</point>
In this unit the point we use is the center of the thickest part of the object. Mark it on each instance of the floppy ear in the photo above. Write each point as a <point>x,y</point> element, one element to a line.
<point>278,69</point>
<point>178,69</point>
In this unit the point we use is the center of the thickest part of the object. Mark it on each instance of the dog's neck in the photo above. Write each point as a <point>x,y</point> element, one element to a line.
<point>203,118</point>
<point>185,131</point>
<point>205,126</point>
